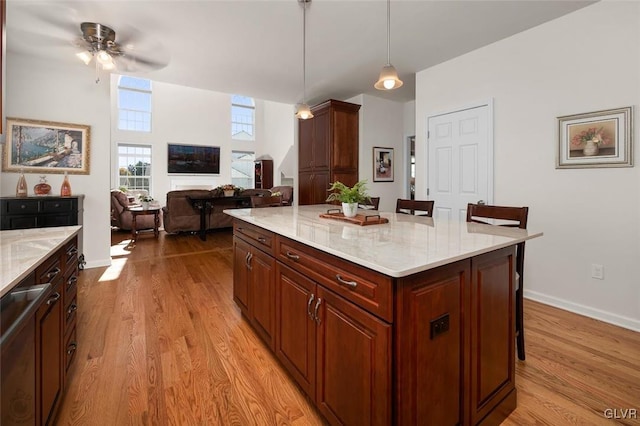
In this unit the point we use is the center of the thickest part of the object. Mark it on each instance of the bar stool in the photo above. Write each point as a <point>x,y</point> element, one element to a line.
<point>517,217</point>
<point>411,206</point>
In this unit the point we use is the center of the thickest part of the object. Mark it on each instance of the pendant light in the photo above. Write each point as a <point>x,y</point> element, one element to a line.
<point>388,76</point>
<point>303,111</point>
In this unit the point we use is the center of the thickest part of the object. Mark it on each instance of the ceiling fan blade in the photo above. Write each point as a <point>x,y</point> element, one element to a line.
<point>133,62</point>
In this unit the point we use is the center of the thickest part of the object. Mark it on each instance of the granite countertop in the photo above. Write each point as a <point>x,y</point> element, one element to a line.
<point>404,246</point>
<point>22,250</point>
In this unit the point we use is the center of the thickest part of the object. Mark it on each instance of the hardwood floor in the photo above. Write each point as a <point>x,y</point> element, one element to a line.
<point>162,343</point>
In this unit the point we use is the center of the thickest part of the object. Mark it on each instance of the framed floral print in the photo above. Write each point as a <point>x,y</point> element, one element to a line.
<point>596,139</point>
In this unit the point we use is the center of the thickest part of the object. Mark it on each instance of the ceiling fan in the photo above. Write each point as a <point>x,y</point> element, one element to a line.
<point>98,43</point>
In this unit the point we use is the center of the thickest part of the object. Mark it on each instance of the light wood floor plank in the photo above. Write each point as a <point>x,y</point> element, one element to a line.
<point>163,343</point>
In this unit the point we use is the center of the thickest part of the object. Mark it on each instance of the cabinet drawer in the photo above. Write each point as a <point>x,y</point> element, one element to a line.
<point>21,207</point>
<point>364,287</point>
<point>70,348</point>
<point>58,206</point>
<point>70,314</point>
<point>51,270</point>
<point>255,236</point>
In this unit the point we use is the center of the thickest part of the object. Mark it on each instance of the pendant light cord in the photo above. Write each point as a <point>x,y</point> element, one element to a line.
<point>304,52</point>
<point>388,32</point>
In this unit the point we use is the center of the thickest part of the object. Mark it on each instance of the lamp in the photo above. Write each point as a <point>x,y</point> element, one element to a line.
<point>303,111</point>
<point>388,76</point>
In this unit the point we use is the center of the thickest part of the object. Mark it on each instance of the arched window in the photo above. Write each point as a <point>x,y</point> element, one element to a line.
<point>243,113</point>
<point>134,104</point>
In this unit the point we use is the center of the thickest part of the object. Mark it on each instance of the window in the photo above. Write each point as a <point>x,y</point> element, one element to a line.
<point>134,166</point>
<point>242,164</point>
<point>243,111</point>
<point>134,104</point>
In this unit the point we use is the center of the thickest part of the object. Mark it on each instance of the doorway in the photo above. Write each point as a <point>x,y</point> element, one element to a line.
<point>411,169</point>
<point>460,159</point>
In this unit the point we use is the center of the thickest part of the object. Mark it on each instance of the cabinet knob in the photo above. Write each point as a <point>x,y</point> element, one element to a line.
<point>22,206</point>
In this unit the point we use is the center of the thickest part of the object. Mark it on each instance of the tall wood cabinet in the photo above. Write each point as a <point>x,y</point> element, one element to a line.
<point>263,174</point>
<point>327,150</point>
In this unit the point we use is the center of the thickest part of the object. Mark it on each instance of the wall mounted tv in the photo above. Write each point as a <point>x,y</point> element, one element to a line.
<point>193,159</point>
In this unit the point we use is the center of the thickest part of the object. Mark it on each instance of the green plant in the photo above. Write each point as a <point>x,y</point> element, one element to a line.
<point>145,198</point>
<point>356,194</point>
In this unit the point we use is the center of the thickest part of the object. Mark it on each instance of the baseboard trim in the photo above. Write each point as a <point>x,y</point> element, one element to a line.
<point>97,263</point>
<point>619,320</point>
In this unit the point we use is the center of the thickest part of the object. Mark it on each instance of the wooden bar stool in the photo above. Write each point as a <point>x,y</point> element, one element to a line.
<point>371,203</point>
<point>411,206</point>
<point>517,218</point>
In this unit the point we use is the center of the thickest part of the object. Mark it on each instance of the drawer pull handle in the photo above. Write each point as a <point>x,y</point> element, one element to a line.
<point>249,257</point>
<point>53,273</point>
<point>351,284</point>
<point>240,229</point>
<point>71,281</point>
<point>293,256</point>
<point>262,239</point>
<point>315,311</point>
<point>72,348</point>
<point>72,308</point>
<point>22,206</point>
<point>53,299</point>
<point>72,251</point>
<point>309,305</point>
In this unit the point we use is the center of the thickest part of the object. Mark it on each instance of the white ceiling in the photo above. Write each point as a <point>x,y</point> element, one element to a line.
<point>254,47</point>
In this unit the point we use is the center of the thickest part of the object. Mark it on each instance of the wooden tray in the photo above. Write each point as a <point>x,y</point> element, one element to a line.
<point>359,219</point>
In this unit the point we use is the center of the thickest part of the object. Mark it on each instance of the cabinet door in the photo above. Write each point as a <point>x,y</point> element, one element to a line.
<point>305,144</point>
<point>321,141</point>
<point>295,328</point>
<point>353,366</point>
<point>320,185</point>
<point>241,251</point>
<point>49,355</point>
<point>492,331</point>
<point>344,143</point>
<point>305,188</point>
<point>262,295</point>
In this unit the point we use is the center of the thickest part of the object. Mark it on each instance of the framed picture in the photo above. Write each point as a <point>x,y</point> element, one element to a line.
<point>46,147</point>
<point>596,139</point>
<point>383,164</point>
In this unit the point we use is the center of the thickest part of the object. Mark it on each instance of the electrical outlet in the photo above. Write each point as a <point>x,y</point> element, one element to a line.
<point>439,325</point>
<point>597,271</point>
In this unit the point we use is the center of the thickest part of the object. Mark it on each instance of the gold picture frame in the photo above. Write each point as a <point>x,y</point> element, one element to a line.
<point>34,146</point>
<point>596,139</point>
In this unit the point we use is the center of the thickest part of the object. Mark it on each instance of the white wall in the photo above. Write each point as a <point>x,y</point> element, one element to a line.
<point>43,90</point>
<point>382,125</point>
<point>280,127</point>
<point>188,115</point>
<point>586,61</point>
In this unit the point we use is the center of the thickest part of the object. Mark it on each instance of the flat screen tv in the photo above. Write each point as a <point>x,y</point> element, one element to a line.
<point>193,159</point>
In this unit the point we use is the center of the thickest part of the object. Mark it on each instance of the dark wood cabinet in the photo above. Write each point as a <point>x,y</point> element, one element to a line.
<point>435,347</point>
<point>253,280</point>
<point>263,174</point>
<point>327,149</point>
<point>40,212</point>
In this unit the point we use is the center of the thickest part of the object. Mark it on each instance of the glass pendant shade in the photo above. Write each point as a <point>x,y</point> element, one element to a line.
<point>103,57</point>
<point>84,57</point>
<point>303,112</point>
<point>388,79</point>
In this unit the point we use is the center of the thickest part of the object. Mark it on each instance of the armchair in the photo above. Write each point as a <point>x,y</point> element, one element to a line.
<point>122,218</point>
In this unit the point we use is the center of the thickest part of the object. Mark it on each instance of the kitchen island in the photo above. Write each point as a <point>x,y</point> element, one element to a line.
<point>408,322</point>
<point>38,285</point>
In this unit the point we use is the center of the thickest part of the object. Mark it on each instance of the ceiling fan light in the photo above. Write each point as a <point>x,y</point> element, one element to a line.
<point>388,79</point>
<point>84,56</point>
<point>108,66</point>
<point>103,57</point>
<point>303,112</point>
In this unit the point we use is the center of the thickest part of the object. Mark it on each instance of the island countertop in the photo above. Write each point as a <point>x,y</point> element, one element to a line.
<point>23,250</point>
<point>404,246</point>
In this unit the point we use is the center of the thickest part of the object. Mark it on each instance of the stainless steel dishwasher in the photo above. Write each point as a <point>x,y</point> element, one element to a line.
<point>18,351</point>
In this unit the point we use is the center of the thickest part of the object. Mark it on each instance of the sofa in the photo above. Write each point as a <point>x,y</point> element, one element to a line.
<point>180,215</point>
<point>122,218</point>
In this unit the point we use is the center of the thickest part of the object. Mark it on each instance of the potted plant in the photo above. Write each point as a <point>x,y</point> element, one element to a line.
<point>228,189</point>
<point>145,199</point>
<point>349,197</point>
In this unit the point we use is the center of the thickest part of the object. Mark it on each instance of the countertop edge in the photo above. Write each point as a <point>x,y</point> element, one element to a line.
<point>6,288</point>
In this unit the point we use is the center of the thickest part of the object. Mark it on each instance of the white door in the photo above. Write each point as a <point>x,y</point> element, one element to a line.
<point>460,160</point>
